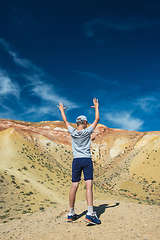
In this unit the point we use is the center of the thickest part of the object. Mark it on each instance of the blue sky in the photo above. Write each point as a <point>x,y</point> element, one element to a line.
<point>72,51</point>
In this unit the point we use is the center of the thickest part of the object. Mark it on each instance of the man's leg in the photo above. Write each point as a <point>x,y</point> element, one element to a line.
<point>88,177</point>
<point>89,196</point>
<point>72,194</point>
<point>91,217</point>
<point>89,192</point>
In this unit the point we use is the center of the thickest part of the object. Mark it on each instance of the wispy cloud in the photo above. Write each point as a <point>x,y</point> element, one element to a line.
<point>7,86</point>
<point>100,25</point>
<point>40,110</point>
<point>124,120</point>
<point>96,77</point>
<point>46,96</point>
<point>5,44</point>
<point>148,103</point>
<point>22,62</point>
<point>46,92</point>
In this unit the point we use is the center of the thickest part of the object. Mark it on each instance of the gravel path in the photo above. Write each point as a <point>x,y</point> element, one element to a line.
<point>122,220</point>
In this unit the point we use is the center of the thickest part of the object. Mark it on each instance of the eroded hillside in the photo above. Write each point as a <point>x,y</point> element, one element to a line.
<point>35,165</point>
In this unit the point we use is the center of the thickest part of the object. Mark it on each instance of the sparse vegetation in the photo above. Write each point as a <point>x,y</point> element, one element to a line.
<point>42,163</point>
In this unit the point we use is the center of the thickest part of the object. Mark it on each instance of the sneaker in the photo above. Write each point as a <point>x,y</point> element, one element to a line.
<point>72,218</point>
<point>92,219</point>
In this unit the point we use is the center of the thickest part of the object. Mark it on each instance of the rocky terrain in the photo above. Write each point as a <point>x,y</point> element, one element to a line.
<point>120,221</point>
<point>35,168</point>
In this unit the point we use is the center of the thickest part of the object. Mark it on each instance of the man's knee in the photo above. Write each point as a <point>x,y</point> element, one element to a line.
<point>75,185</point>
<point>88,184</point>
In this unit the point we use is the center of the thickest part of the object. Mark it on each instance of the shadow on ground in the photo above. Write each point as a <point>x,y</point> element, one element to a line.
<point>99,210</point>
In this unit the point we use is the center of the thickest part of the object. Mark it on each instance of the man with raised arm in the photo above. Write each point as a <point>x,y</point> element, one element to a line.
<point>81,141</point>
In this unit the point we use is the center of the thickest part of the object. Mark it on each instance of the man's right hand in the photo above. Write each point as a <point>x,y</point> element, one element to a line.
<point>97,118</point>
<point>61,107</point>
<point>95,102</point>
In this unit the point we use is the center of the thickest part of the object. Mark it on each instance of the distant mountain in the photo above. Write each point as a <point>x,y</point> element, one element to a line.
<point>36,158</point>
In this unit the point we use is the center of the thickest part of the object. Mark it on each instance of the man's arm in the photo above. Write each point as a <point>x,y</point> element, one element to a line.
<point>97,118</point>
<point>61,108</point>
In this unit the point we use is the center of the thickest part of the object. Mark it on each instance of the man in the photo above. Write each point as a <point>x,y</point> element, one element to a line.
<point>81,141</point>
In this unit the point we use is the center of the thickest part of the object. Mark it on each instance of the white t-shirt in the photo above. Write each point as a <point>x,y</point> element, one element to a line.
<point>81,142</point>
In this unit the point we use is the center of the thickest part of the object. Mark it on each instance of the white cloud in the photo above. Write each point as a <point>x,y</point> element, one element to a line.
<point>148,103</point>
<point>25,63</point>
<point>7,86</point>
<point>100,25</point>
<point>5,44</point>
<point>40,110</point>
<point>124,120</point>
<point>22,62</point>
<point>38,79</point>
<point>47,93</point>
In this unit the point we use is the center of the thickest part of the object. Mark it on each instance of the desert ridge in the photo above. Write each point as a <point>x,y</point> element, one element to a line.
<point>36,158</point>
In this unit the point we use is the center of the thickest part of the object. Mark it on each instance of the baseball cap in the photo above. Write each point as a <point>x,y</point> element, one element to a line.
<point>81,118</point>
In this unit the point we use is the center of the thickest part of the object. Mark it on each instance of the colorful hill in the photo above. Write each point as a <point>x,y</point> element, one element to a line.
<point>35,166</point>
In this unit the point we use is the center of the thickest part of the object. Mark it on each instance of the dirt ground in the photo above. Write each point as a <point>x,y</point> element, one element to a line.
<point>120,220</point>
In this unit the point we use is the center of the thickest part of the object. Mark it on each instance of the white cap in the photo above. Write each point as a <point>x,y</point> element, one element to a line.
<point>81,118</point>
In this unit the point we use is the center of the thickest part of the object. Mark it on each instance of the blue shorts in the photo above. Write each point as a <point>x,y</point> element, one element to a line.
<point>80,164</point>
